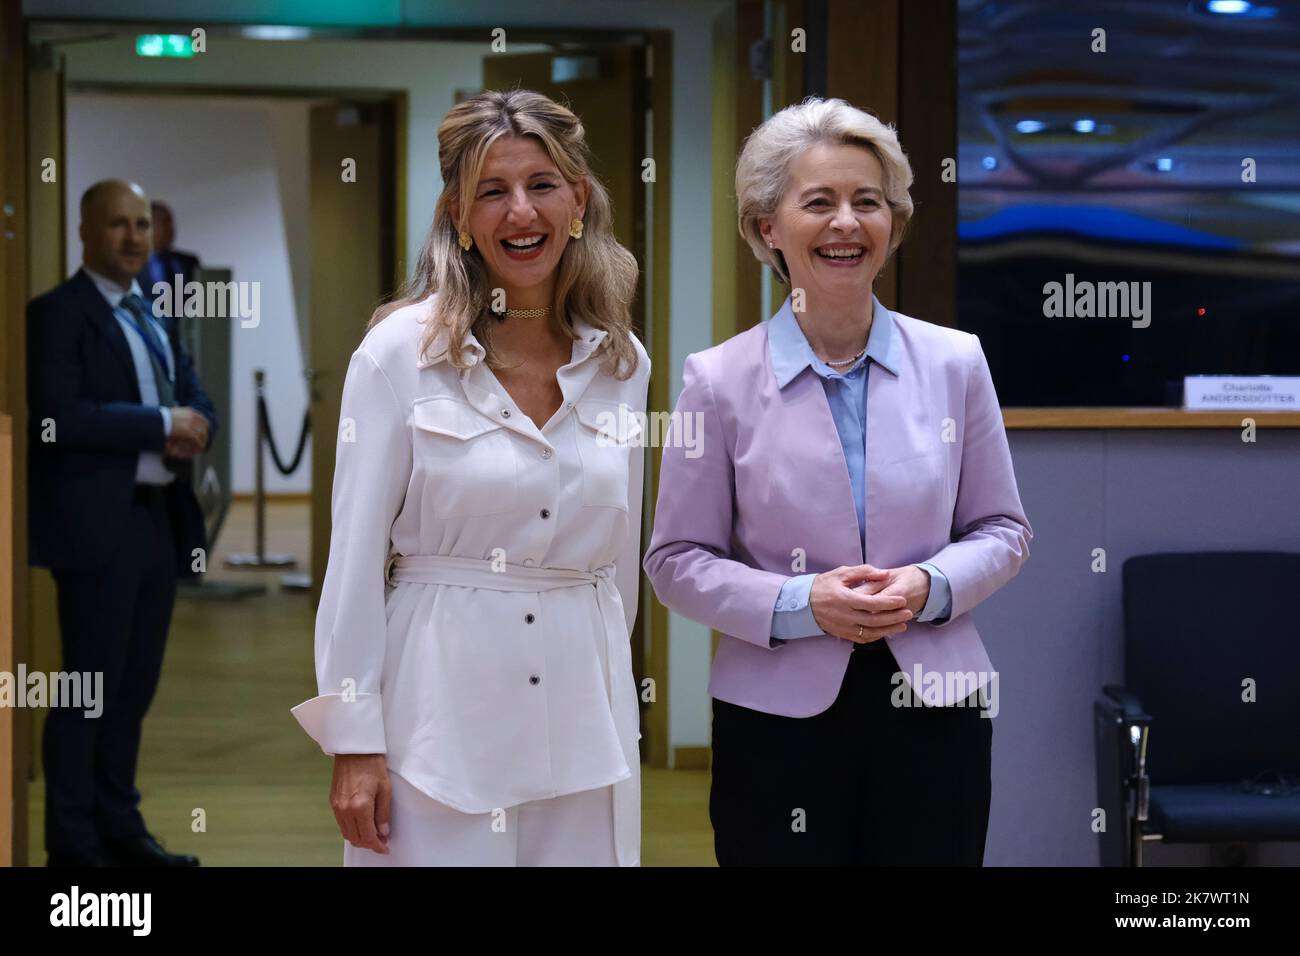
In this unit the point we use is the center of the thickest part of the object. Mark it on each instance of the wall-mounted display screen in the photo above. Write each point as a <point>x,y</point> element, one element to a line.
<point>1129,195</point>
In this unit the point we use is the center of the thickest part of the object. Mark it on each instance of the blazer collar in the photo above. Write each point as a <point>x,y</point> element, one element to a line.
<point>790,352</point>
<point>98,305</point>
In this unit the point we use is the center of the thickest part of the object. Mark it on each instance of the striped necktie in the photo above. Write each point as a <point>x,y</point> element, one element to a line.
<point>135,305</point>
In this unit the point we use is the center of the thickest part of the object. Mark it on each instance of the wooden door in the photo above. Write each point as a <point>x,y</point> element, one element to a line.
<point>608,90</point>
<point>353,242</point>
<point>34,617</point>
<point>608,94</point>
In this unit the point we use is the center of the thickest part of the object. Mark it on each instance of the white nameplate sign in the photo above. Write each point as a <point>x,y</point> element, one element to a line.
<point>1278,393</point>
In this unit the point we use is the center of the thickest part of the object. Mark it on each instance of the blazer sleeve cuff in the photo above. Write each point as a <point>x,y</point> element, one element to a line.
<point>793,617</point>
<point>344,725</point>
<point>939,604</point>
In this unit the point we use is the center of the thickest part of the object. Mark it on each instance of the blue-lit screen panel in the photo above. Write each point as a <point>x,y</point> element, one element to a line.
<point>1152,144</point>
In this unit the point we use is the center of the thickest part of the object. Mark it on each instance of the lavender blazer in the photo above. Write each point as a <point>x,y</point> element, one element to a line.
<point>764,485</point>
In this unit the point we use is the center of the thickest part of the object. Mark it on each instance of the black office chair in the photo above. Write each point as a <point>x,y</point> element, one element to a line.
<point>1203,633</point>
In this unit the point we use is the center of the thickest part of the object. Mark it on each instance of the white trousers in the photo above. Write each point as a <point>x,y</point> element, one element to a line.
<point>576,829</point>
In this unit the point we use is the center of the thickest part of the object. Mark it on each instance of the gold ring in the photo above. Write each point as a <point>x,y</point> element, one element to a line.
<point>859,632</point>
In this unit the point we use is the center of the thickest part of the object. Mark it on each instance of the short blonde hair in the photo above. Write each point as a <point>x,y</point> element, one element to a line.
<point>763,170</point>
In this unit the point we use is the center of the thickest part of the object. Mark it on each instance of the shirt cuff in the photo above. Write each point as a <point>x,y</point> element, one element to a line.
<point>939,604</point>
<point>344,725</point>
<point>167,420</point>
<point>792,617</point>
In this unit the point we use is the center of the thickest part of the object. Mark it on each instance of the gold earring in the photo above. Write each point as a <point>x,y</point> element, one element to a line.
<point>575,229</point>
<point>465,240</point>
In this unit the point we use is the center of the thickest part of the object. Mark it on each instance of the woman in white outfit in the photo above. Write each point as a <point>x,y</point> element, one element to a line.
<point>472,648</point>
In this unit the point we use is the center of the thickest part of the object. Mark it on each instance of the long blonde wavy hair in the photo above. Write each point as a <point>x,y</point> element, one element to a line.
<point>597,276</point>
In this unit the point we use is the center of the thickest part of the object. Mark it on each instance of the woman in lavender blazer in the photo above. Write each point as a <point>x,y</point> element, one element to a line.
<point>850,500</point>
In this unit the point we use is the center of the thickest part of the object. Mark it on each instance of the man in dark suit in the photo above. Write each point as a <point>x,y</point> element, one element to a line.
<point>166,262</point>
<point>116,415</point>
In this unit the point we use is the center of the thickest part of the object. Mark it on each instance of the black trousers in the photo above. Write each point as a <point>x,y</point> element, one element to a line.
<point>112,620</point>
<point>863,783</point>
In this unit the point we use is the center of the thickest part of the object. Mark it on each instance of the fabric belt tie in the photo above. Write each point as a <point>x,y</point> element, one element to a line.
<point>480,573</point>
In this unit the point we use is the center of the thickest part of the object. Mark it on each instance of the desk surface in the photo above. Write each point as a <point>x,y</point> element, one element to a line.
<point>1053,418</point>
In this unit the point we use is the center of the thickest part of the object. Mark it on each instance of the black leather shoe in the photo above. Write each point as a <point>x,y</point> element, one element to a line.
<point>145,851</point>
<point>94,857</point>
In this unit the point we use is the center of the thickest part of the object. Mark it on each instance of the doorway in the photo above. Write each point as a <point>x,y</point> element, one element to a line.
<point>375,104</point>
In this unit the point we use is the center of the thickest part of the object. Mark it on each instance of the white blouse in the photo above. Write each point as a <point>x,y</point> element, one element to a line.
<point>483,578</point>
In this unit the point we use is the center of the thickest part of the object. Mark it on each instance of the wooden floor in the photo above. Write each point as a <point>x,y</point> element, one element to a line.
<point>227,774</point>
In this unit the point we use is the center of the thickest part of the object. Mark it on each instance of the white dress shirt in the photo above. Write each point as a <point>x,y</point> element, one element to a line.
<point>149,468</point>
<point>493,667</point>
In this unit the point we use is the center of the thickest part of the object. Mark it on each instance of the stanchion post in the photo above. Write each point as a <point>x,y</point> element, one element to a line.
<point>259,558</point>
<point>259,478</point>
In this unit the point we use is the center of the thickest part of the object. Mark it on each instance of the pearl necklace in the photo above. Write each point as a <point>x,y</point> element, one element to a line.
<point>848,361</point>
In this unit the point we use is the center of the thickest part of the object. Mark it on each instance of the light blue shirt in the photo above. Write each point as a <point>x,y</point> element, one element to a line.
<point>846,393</point>
<point>149,468</point>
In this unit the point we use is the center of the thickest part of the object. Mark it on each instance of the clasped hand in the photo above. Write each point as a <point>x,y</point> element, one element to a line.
<point>189,434</point>
<point>865,603</point>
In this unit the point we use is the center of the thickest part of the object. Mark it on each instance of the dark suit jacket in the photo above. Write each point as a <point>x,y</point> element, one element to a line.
<point>80,374</point>
<point>173,261</point>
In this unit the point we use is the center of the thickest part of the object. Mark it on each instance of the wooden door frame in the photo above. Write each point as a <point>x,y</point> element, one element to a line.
<point>18,37</point>
<point>886,63</point>
<point>24,748</point>
<point>14,752</point>
<point>16,843</point>
<point>659,47</point>
<point>737,110</point>
<point>334,339</point>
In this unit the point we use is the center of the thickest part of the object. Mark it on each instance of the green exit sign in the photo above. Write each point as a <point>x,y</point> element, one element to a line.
<point>164,44</point>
